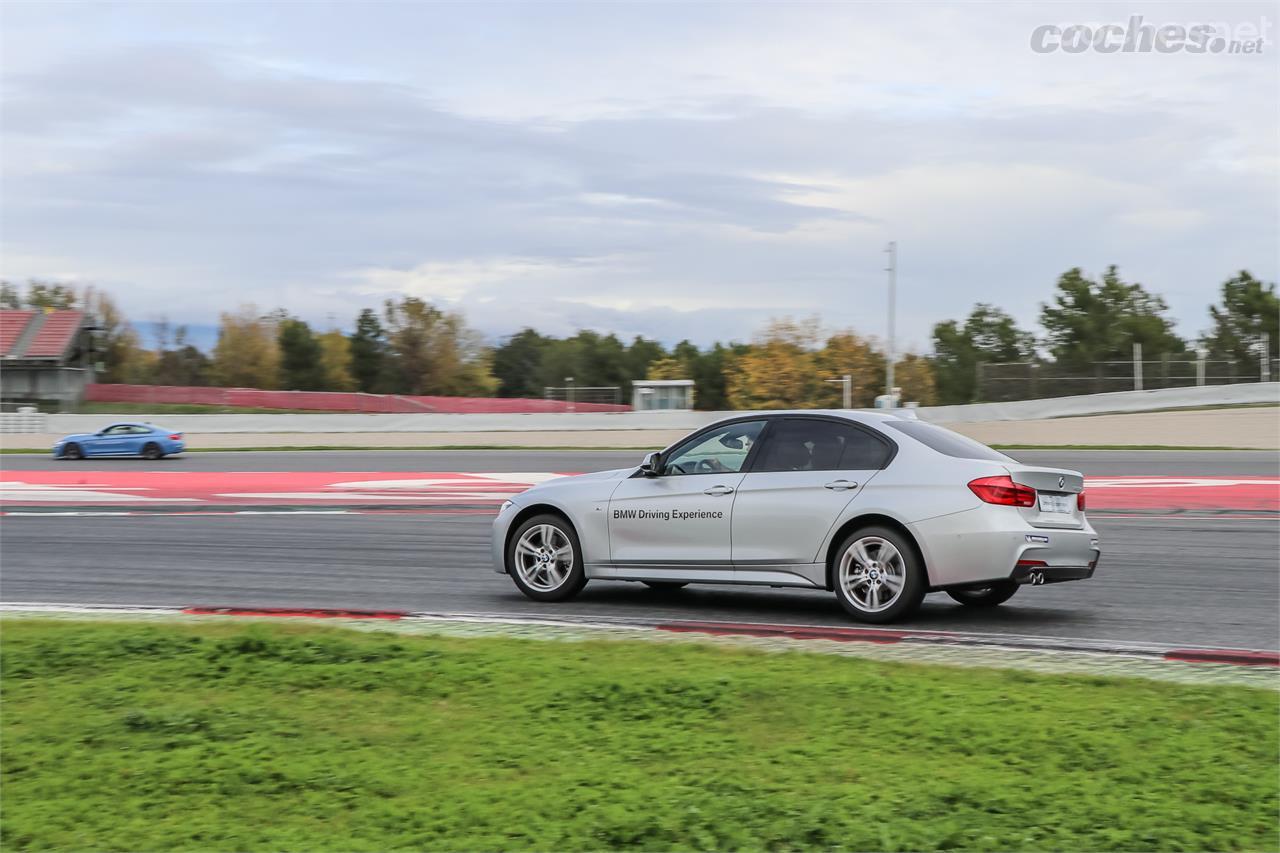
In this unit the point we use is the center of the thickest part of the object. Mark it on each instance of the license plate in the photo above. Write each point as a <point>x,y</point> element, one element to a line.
<point>1055,503</point>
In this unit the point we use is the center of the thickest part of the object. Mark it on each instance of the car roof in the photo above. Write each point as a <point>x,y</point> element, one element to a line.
<point>130,423</point>
<point>856,415</point>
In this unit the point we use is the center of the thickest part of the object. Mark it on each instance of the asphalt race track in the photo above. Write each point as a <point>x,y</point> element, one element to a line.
<point>1196,578</point>
<point>1088,462</point>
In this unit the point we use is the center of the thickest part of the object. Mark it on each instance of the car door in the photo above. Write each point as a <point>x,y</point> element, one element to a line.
<point>807,471</point>
<point>112,441</point>
<point>681,518</point>
<point>136,439</point>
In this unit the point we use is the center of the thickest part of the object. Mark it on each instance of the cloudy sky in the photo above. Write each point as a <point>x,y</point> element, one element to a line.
<point>672,170</point>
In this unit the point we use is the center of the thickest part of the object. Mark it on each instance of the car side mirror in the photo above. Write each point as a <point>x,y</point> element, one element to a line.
<point>651,466</point>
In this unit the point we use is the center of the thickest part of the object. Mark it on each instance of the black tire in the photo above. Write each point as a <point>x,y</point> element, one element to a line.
<point>72,451</point>
<point>665,586</point>
<point>152,451</point>
<point>987,596</point>
<point>547,590</point>
<point>908,567</point>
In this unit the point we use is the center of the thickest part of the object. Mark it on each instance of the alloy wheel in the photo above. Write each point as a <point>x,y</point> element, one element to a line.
<point>544,557</point>
<point>872,574</point>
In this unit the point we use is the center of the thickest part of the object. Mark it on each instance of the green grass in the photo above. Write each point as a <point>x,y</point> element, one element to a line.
<point>125,736</point>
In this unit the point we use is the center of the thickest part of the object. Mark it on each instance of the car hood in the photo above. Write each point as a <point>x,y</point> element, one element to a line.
<point>614,474</point>
<point>80,436</point>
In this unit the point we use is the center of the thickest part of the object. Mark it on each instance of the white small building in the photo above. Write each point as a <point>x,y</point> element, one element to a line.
<point>650,395</point>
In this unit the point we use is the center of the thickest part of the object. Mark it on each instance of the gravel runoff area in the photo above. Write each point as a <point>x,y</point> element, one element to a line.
<point>1256,428</point>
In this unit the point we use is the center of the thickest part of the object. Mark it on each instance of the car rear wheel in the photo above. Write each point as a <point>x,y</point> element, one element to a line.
<point>544,559</point>
<point>878,576</point>
<point>987,596</point>
<point>665,586</point>
<point>152,451</point>
<point>72,451</point>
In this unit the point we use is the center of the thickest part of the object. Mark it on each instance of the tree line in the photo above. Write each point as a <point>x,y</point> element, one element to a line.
<point>409,346</point>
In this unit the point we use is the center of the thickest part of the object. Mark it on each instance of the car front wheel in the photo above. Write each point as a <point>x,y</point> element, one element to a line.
<point>72,451</point>
<point>878,577</point>
<point>544,559</point>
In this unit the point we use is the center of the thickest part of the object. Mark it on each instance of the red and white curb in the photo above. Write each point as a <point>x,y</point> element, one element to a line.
<point>868,635</point>
<point>74,486</point>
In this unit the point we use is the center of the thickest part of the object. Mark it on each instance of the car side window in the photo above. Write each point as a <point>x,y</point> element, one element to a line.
<point>115,430</point>
<point>140,430</point>
<point>812,444</point>
<point>720,450</point>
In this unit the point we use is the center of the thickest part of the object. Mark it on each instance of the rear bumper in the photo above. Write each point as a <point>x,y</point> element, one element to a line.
<point>995,543</point>
<point>1038,575</point>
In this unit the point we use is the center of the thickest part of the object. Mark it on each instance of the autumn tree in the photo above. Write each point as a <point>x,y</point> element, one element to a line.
<point>116,343</point>
<point>335,361</point>
<point>847,354</point>
<point>247,353</point>
<point>778,370</point>
<point>435,352</point>
<point>914,375</point>
<point>667,368</point>
<point>51,295</point>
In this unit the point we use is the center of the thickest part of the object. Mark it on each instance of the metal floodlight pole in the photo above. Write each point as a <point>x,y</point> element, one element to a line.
<point>1137,366</point>
<point>892,269</point>
<point>568,391</point>
<point>846,390</point>
<point>1265,375</point>
<point>1201,355</point>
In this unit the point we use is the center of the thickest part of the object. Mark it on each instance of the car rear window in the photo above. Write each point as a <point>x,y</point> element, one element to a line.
<point>947,442</point>
<point>812,444</point>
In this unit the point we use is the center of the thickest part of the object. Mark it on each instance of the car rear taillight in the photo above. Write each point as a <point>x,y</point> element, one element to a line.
<point>1003,491</point>
<point>177,436</point>
<point>1080,501</point>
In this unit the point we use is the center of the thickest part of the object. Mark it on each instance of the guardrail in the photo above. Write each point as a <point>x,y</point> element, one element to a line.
<point>23,422</point>
<point>1092,404</point>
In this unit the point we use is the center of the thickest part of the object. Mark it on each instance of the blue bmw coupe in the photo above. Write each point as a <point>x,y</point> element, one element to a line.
<point>145,440</point>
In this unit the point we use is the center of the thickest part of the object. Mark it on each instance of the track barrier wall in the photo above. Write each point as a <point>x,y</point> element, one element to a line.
<point>334,401</point>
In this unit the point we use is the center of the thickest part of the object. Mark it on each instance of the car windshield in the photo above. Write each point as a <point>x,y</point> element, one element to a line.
<point>947,442</point>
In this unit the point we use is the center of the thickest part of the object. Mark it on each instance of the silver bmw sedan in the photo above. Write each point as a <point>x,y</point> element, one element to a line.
<point>879,508</point>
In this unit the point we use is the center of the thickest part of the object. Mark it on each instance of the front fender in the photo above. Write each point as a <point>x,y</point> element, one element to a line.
<point>585,504</point>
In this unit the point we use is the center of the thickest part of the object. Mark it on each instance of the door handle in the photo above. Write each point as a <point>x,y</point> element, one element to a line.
<point>840,485</point>
<point>718,490</point>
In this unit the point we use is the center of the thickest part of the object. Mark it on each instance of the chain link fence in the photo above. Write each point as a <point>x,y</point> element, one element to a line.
<point>576,394</point>
<point>1031,380</point>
